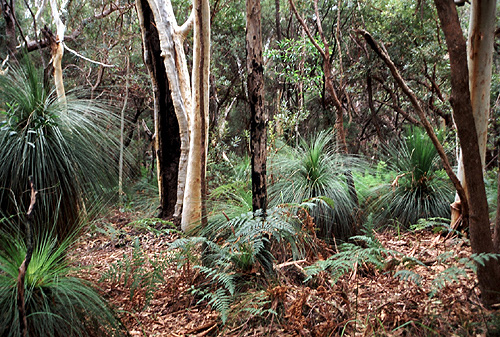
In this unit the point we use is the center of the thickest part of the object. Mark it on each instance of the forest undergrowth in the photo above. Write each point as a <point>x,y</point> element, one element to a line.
<point>413,283</point>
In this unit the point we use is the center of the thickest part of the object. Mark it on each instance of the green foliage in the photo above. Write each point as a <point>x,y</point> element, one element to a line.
<point>66,148</point>
<point>420,190</point>
<point>154,225</point>
<point>350,255</point>
<point>137,272</point>
<point>57,303</point>
<point>312,170</point>
<point>240,246</point>
<point>222,296</point>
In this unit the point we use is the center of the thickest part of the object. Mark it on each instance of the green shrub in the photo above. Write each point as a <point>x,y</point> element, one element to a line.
<point>65,147</point>
<point>421,188</point>
<point>57,303</point>
<point>316,169</point>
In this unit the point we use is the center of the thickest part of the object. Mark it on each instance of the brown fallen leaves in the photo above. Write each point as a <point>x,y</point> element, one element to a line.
<point>363,302</point>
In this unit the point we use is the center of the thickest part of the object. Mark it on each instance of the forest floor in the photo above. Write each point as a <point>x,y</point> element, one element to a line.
<point>365,301</point>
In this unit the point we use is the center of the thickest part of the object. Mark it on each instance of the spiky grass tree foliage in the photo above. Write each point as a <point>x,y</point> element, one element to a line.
<point>65,147</point>
<point>420,190</point>
<point>57,303</point>
<point>316,169</point>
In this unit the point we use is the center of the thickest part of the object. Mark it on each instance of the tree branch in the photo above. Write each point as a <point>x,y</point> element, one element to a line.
<point>382,53</point>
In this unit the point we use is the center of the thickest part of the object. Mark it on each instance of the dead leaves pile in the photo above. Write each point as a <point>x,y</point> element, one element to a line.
<point>364,302</point>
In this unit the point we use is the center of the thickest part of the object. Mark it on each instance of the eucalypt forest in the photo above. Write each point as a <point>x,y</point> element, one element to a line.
<point>249,168</point>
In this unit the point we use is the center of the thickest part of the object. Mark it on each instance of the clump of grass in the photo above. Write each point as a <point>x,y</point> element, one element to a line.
<point>57,303</point>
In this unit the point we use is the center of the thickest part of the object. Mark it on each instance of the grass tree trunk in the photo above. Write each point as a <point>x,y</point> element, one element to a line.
<point>463,113</point>
<point>168,137</point>
<point>479,60</point>
<point>193,211</point>
<point>258,126</point>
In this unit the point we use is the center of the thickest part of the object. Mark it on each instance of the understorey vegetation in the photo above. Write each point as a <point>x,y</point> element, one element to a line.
<point>249,168</point>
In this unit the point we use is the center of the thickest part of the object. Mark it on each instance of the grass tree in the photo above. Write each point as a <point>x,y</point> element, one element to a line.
<point>57,303</point>
<point>420,188</point>
<point>317,169</point>
<point>64,146</point>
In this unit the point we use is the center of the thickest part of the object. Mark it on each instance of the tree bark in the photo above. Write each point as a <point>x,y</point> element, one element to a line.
<point>57,51</point>
<point>259,118</point>
<point>277,18</point>
<point>479,60</point>
<point>479,226</point>
<point>167,139</point>
<point>193,212</point>
<point>9,15</point>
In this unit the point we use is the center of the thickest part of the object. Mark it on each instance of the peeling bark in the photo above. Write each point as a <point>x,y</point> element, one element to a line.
<point>57,51</point>
<point>167,140</point>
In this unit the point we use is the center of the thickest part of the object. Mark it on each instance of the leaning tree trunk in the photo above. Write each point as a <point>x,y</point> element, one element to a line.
<point>258,125</point>
<point>479,61</point>
<point>57,51</point>
<point>167,139</point>
<point>194,209</point>
<point>488,274</point>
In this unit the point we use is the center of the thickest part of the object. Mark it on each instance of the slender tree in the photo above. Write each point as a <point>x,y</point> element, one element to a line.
<point>194,196</point>
<point>258,124</point>
<point>482,25</point>
<point>465,121</point>
<point>169,140</point>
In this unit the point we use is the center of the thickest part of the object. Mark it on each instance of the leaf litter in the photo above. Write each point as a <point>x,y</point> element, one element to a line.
<point>363,302</point>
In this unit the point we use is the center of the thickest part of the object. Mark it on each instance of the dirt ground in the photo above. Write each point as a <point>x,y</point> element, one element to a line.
<point>363,302</point>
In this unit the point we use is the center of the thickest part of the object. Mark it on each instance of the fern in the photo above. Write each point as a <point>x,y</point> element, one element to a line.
<point>222,278</point>
<point>219,300</point>
<point>454,272</point>
<point>226,249</point>
<point>132,273</point>
<point>350,255</point>
<point>409,275</point>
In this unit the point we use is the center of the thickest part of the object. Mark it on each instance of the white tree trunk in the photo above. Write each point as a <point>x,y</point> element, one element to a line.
<point>479,57</point>
<point>193,207</point>
<point>57,51</point>
<point>171,43</point>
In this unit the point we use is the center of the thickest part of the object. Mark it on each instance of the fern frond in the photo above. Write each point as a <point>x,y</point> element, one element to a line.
<point>224,279</point>
<point>409,275</point>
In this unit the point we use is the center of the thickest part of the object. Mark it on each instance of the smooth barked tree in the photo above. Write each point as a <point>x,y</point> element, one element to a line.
<point>189,97</point>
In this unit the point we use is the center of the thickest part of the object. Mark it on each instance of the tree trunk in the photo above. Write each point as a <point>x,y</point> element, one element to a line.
<point>194,209</point>
<point>479,61</point>
<point>9,15</point>
<point>277,18</point>
<point>167,134</point>
<point>478,220</point>
<point>57,51</point>
<point>258,125</point>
